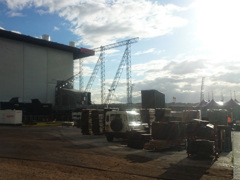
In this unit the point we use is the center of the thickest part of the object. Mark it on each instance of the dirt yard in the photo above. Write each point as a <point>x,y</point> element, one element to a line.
<point>64,153</point>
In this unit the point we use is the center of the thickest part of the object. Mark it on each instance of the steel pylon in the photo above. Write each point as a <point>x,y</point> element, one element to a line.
<point>101,63</point>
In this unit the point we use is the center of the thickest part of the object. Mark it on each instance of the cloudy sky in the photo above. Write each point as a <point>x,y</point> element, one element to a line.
<point>180,41</point>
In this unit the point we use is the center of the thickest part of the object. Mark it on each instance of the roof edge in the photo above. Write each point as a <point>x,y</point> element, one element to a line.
<point>77,53</point>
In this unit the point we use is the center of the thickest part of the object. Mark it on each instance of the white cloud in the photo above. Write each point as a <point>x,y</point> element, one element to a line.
<point>182,77</point>
<point>103,22</point>
<point>221,37</point>
<point>145,52</point>
<point>14,14</point>
<point>55,28</point>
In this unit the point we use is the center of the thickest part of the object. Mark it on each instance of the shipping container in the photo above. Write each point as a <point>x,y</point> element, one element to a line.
<point>152,99</point>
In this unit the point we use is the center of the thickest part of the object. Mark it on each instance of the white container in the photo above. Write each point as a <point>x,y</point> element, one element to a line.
<point>76,116</point>
<point>11,117</point>
<point>46,37</point>
<point>72,44</point>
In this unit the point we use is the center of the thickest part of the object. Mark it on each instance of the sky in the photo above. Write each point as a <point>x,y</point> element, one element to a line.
<point>180,42</point>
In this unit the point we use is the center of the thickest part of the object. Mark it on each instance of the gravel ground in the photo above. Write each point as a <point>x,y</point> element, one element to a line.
<point>64,153</point>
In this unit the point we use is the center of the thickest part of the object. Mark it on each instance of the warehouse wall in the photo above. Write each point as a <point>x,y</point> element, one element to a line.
<point>29,71</point>
<point>11,69</point>
<point>60,67</point>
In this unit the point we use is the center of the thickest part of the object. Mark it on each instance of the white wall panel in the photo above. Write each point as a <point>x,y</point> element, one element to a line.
<point>35,73</point>
<point>60,65</point>
<point>31,72</point>
<point>11,69</point>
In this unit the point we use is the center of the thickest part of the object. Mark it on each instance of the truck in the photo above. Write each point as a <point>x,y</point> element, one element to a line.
<point>118,124</point>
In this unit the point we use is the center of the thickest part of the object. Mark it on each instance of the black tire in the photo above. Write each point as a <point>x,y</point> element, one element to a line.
<point>116,125</point>
<point>109,138</point>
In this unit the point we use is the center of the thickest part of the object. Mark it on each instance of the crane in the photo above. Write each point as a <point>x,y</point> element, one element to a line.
<point>101,63</point>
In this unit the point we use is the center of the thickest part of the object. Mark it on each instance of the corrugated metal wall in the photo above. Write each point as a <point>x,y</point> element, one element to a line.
<point>30,72</point>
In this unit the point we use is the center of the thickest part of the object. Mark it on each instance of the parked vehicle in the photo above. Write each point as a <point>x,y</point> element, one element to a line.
<point>119,123</point>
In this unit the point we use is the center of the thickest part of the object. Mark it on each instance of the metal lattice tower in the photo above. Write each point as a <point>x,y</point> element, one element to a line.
<point>102,75</point>
<point>202,90</point>
<point>129,73</point>
<point>101,63</point>
<point>80,75</point>
<point>95,71</point>
<point>117,77</point>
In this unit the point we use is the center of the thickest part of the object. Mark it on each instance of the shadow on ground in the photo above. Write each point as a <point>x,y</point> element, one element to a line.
<point>188,169</point>
<point>134,158</point>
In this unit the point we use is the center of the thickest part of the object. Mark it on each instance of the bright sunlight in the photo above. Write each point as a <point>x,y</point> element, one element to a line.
<point>218,27</point>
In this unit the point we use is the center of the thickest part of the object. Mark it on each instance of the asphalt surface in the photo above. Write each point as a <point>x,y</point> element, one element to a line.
<point>236,155</point>
<point>96,158</point>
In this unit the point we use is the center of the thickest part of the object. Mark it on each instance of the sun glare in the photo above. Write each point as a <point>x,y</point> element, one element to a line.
<point>218,26</point>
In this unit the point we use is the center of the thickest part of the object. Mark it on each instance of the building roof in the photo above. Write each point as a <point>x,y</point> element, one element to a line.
<point>231,103</point>
<point>212,103</point>
<point>77,53</point>
<point>202,103</point>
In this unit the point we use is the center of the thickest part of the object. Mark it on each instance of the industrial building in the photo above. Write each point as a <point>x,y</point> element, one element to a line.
<point>30,68</point>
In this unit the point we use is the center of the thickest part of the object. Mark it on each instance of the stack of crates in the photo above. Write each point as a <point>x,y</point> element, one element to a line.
<point>224,138</point>
<point>189,115</point>
<point>148,117</point>
<point>201,138</point>
<point>176,116</point>
<point>97,122</point>
<point>92,121</point>
<point>85,126</point>
<point>217,116</point>
<point>76,118</point>
<point>162,114</point>
<point>168,130</point>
